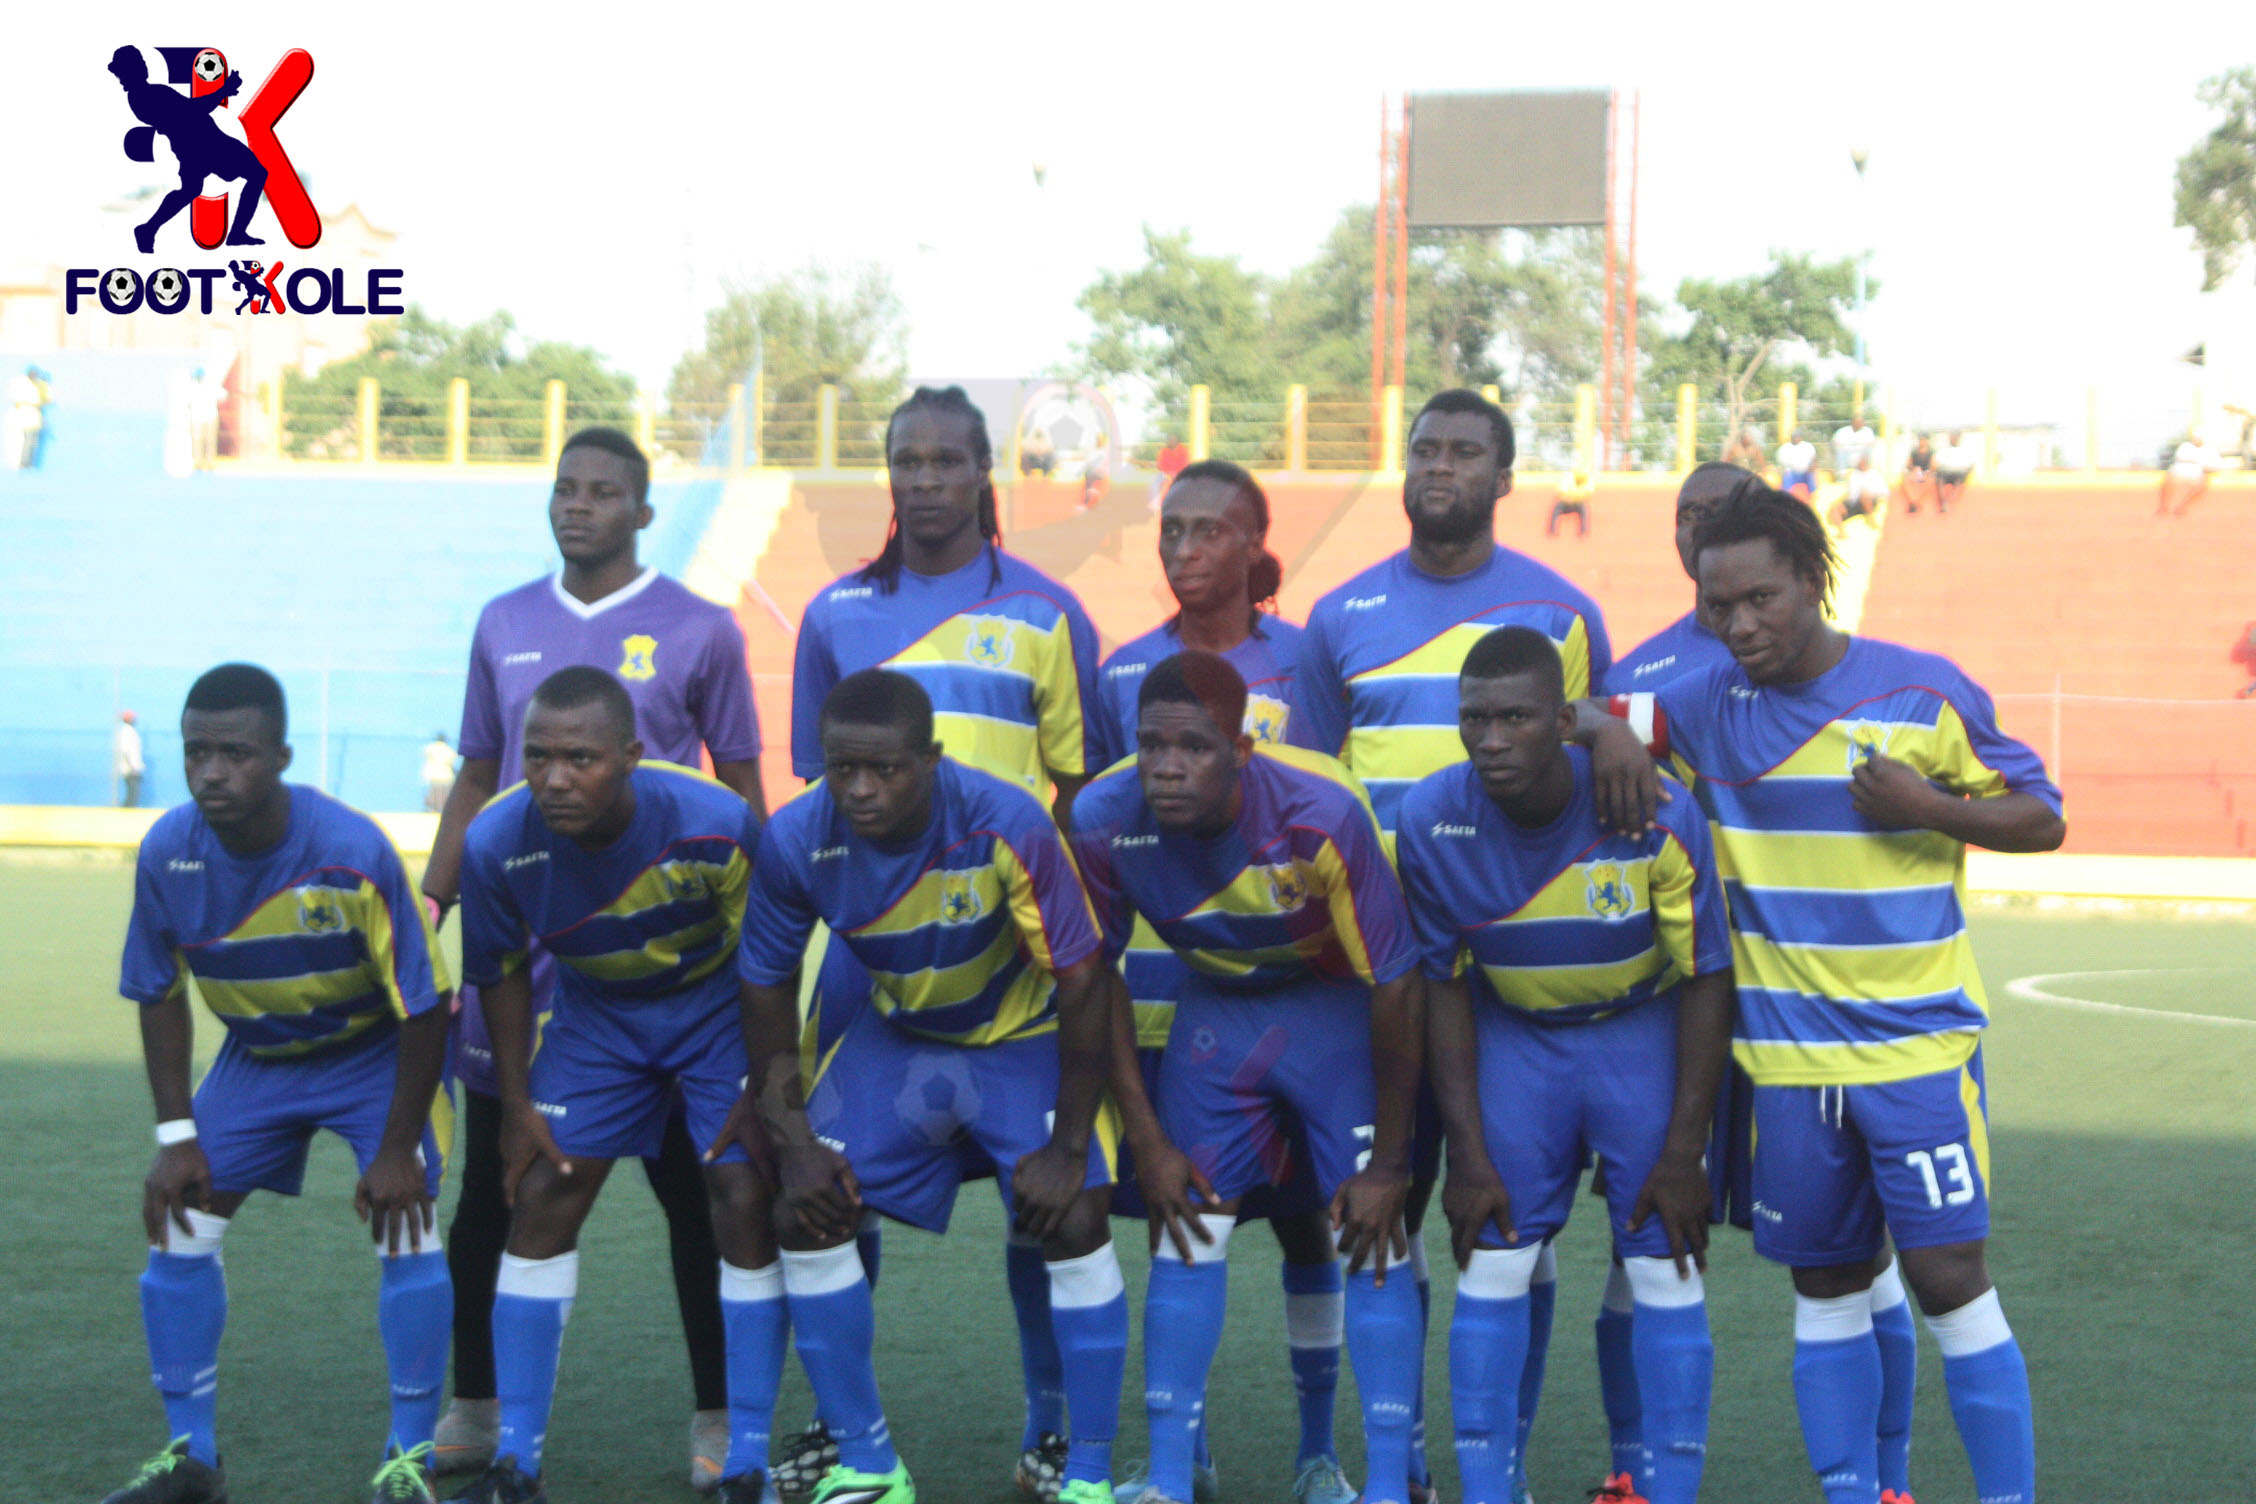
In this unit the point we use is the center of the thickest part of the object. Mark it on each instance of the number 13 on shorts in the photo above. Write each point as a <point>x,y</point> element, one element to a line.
<point>1945,1173</point>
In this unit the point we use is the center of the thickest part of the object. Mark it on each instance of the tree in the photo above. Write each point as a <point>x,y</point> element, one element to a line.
<point>2216,196</point>
<point>1738,326</point>
<point>416,358</point>
<point>808,329</point>
<point>1182,319</point>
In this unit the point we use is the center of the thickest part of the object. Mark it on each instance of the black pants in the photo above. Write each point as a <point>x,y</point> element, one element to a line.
<point>480,1231</point>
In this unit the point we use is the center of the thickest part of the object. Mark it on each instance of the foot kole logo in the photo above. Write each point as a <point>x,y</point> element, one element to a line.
<point>252,172</point>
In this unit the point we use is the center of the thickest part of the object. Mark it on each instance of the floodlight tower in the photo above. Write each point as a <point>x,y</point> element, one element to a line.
<point>1860,155</point>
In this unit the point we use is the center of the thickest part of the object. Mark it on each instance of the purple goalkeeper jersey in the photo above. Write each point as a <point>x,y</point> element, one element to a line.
<point>680,656</point>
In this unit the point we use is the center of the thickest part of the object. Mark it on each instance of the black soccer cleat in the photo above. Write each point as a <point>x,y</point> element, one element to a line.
<point>174,1477</point>
<point>501,1483</point>
<point>747,1488</point>
<point>807,1458</point>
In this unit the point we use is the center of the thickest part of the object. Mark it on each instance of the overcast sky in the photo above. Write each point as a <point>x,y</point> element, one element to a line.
<point>600,183</point>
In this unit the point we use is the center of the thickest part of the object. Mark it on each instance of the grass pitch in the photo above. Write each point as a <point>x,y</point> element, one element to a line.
<point>2125,1136</point>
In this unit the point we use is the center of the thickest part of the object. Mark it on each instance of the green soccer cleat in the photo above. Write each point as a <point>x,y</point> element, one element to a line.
<point>805,1459</point>
<point>174,1477</point>
<point>1085,1491</point>
<point>843,1485</point>
<point>1321,1481</point>
<point>1041,1468</point>
<point>501,1483</point>
<point>405,1478</point>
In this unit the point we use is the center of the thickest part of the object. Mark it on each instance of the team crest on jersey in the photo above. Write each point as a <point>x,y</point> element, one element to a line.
<point>1607,888</point>
<point>1867,740</point>
<point>1288,890</point>
<point>1265,718</point>
<point>991,641</point>
<point>960,901</point>
<point>319,911</point>
<point>639,658</point>
<point>685,884</point>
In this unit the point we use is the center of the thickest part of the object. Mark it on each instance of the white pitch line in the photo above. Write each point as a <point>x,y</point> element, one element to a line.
<point>2030,990</point>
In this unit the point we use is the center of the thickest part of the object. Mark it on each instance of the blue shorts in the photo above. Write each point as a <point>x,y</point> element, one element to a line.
<point>1731,1150</point>
<point>1296,1197</point>
<point>255,1118</point>
<point>1806,479</point>
<point>1840,1168</point>
<point>606,1078</point>
<point>910,1113</point>
<point>470,1046</point>
<point>1244,1078</point>
<point>1554,1094</point>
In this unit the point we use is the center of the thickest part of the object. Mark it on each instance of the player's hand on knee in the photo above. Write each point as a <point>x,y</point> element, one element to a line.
<point>1174,1191</point>
<point>179,1181</point>
<point>1367,1215</point>
<point>1624,779</point>
<point>1044,1186</point>
<point>744,1129</point>
<point>1473,1198</point>
<point>819,1194</point>
<point>1678,1193</point>
<point>393,1198</point>
<point>526,1140</point>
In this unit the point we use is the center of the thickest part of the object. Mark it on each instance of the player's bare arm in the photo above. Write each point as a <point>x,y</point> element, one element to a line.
<point>1047,1183</point>
<point>1164,1173</point>
<point>1473,1196</point>
<point>478,781</point>
<point>1677,1190</point>
<point>525,1139</point>
<point>393,1197</point>
<point>1061,808</point>
<point>819,1203</point>
<point>180,1180</point>
<point>1623,777</point>
<point>1367,1210</point>
<point>744,777</point>
<point>1894,794</point>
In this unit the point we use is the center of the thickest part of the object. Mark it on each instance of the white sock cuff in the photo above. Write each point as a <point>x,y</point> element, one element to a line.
<point>1833,1320</point>
<point>1218,1227</point>
<point>872,1221</point>
<point>1315,1319</point>
<point>823,1271</point>
<point>202,1241</point>
<point>1887,1288</point>
<point>1547,1266</point>
<point>1499,1273</point>
<point>763,1283</point>
<point>1418,1269</point>
<point>540,1279</point>
<point>1090,1280</point>
<point>1617,1298</point>
<point>1975,1327</point>
<point>1654,1282</point>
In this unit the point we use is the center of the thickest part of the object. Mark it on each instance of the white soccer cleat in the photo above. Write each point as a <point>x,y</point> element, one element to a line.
<point>466,1437</point>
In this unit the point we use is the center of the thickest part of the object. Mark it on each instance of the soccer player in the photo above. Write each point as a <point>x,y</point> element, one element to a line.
<point>1008,658</point>
<point>1213,524</point>
<point>681,660</point>
<point>1844,778</point>
<point>1378,669</point>
<point>294,917</point>
<point>1579,1002</point>
<point>986,1027</point>
<point>1298,1021</point>
<point>633,875</point>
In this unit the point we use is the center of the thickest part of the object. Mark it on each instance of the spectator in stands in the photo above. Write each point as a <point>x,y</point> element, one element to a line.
<point>1853,442</point>
<point>1867,489</point>
<point>1953,463</point>
<point>125,760</point>
<point>1919,471</point>
<point>1037,454</point>
<point>1745,451</point>
<point>1096,474</point>
<point>1573,501</point>
<point>2187,479</point>
<point>438,772</point>
<point>19,425</point>
<point>1172,458</point>
<point>1797,466</point>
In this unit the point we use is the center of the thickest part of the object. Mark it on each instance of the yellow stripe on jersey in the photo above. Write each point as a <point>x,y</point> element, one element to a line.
<point>1787,1062</point>
<point>1042,660</point>
<point>1347,924</point>
<point>676,880</point>
<point>1026,909</point>
<point>1567,896</point>
<point>1860,974</point>
<point>294,912</point>
<point>1672,878</point>
<point>1443,657</point>
<point>1839,862</point>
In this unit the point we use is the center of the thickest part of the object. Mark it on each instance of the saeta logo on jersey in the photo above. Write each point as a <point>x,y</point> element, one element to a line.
<point>181,110</point>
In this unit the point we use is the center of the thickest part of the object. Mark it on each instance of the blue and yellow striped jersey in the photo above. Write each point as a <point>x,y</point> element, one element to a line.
<point>1849,940</point>
<point>314,946</point>
<point>1009,666</point>
<point>1297,889</point>
<point>1568,922</point>
<point>1266,660</point>
<point>962,929</point>
<point>649,920</point>
<point>1377,685</point>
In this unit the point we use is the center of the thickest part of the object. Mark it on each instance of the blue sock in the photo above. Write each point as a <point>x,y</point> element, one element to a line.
<point>1617,1376</point>
<point>1487,1353</point>
<point>1383,1342</point>
<point>183,1311</point>
<point>1420,1474</point>
<point>1184,1305</point>
<point>1038,1358</point>
<point>836,1328</point>
<point>756,1325</point>
<point>1089,1308</point>
<point>869,1242</point>
<point>1543,1300</point>
<point>415,1313</point>
<point>1314,1321</point>
<point>532,1301</point>
<point>1837,1391</point>
<point>1989,1398</point>
<point>1899,1379</point>
<point>1675,1361</point>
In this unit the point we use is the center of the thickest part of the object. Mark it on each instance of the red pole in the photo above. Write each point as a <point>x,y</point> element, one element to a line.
<point>1402,248</point>
<point>1604,458</point>
<point>1629,292</point>
<point>1378,287</point>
